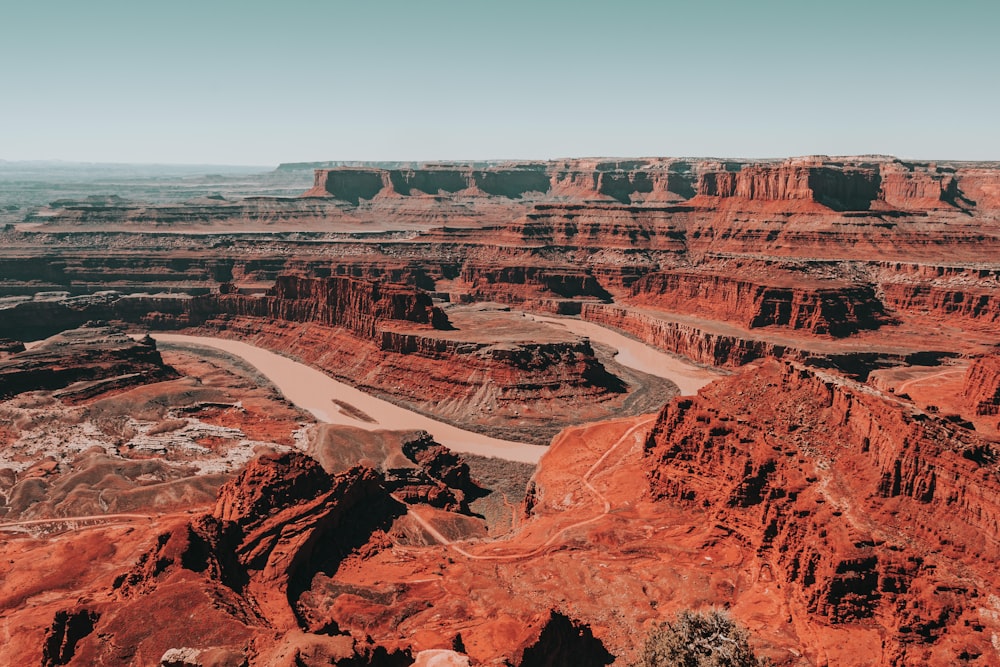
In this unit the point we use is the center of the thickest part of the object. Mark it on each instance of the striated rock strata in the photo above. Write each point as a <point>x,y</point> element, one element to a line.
<point>93,358</point>
<point>982,385</point>
<point>863,510</point>
<point>825,308</point>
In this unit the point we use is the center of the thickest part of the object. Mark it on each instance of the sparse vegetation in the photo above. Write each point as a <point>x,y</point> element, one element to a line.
<point>700,639</point>
<point>118,427</point>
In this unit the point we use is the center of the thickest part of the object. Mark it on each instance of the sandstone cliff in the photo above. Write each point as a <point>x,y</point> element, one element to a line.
<point>357,305</point>
<point>807,184</point>
<point>92,359</point>
<point>824,308</point>
<point>982,385</point>
<point>863,509</point>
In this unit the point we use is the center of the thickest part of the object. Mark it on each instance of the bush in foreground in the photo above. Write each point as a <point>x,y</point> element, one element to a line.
<point>700,639</point>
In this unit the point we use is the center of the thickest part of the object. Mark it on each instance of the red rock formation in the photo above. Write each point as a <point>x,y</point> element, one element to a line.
<point>837,187</point>
<point>516,284</point>
<point>982,385</point>
<point>99,356</point>
<point>353,184</point>
<point>919,187</point>
<point>865,510</point>
<point>821,308</point>
<point>337,301</point>
<point>442,478</point>
<point>967,303</point>
<point>980,186</point>
<point>460,379</point>
<point>276,525</point>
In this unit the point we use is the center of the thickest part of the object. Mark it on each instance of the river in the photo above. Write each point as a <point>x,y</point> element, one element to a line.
<point>315,392</point>
<point>688,377</point>
<point>319,394</point>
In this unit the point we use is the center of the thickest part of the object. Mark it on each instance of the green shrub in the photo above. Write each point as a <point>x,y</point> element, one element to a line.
<point>700,639</point>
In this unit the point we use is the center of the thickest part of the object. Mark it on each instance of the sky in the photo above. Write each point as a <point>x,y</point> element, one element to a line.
<point>259,83</point>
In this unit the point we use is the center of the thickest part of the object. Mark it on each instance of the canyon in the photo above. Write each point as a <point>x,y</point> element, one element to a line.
<point>513,413</point>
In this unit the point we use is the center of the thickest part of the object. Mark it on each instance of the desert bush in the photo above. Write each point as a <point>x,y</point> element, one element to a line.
<point>119,427</point>
<point>700,639</point>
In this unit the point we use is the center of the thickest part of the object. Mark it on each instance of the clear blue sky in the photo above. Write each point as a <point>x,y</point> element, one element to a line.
<point>248,82</point>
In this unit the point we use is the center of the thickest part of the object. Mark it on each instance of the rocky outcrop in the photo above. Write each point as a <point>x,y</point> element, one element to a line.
<point>721,344</point>
<point>602,226</point>
<point>357,305</point>
<point>240,571</point>
<point>440,479</point>
<point>68,628</point>
<point>563,641</point>
<point>93,358</point>
<point>516,284</point>
<point>819,308</point>
<point>854,185</point>
<point>353,184</point>
<point>980,305</point>
<point>839,187</point>
<point>920,187</point>
<point>282,520</point>
<point>980,186</point>
<point>684,338</point>
<point>982,385</point>
<point>819,475</point>
<point>360,306</point>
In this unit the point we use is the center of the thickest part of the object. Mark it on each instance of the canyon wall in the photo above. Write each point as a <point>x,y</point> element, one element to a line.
<point>841,184</point>
<point>862,510</point>
<point>966,303</point>
<point>354,304</point>
<point>94,358</point>
<point>982,385</point>
<point>825,308</point>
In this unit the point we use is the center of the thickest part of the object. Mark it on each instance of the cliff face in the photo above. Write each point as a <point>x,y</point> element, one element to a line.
<point>719,344</point>
<point>862,509</point>
<point>242,568</point>
<point>354,184</point>
<point>625,181</point>
<point>337,301</point>
<point>810,184</point>
<point>841,189</point>
<point>838,310</point>
<point>967,303</point>
<point>98,357</point>
<point>516,284</point>
<point>360,306</point>
<point>982,385</point>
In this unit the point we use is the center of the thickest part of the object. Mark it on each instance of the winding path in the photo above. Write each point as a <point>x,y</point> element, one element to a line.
<point>902,388</point>
<point>587,476</point>
<point>73,523</point>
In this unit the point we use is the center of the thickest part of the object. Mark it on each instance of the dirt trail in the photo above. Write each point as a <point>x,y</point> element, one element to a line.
<point>585,478</point>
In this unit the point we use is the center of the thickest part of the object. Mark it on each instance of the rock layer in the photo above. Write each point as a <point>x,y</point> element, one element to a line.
<point>93,358</point>
<point>820,475</point>
<point>982,385</point>
<point>824,308</point>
